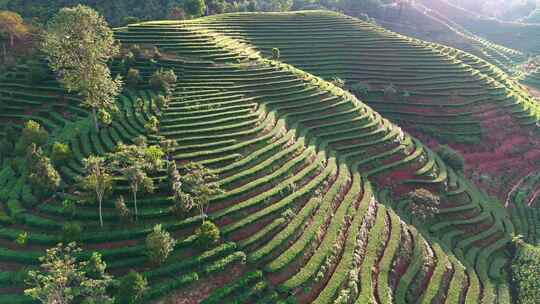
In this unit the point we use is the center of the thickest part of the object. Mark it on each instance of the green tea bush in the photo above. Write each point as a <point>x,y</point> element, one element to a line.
<point>131,288</point>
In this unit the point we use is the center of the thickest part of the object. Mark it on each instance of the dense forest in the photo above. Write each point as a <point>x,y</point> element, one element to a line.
<point>120,12</point>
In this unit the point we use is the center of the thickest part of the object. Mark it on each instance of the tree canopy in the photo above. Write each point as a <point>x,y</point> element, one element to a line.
<point>78,43</point>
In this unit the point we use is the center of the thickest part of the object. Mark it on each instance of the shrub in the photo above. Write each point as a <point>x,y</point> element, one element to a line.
<point>338,82</point>
<point>525,274</point>
<point>276,53</point>
<point>423,203</point>
<point>71,232</point>
<point>162,102</point>
<point>131,288</point>
<point>162,80</point>
<point>32,133</point>
<point>135,49</point>
<point>133,77</point>
<point>451,157</point>
<point>122,209</point>
<point>208,235</point>
<point>22,239</point>
<point>140,141</point>
<point>105,117</point>
<point>152,126</point>
<point>43,176</point>
<point>159,245</point>
<point>139,104</point>
<point>60,153</point>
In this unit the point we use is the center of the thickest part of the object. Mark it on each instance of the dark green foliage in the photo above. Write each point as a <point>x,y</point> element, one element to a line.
<point>131,288</point>
<point>71,232</point>
<point>195,8</point>
<point>6,148</point>
<point>133,77</point>
<point>451,157</point>
<point>208,235</point>
<point>37,72</point>
<point>11,132</point>
<point>123,12</point>
<point>526,274</point>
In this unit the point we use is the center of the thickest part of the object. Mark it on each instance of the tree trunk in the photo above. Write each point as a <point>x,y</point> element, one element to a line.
<point>11,41</point>
<point>100,214</point>
<point>135,202</point>
<point>203,218</point>
<point>94,117</point>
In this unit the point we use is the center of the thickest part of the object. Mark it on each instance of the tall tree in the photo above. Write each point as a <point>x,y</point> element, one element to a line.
<point>78,43</point>
<point>97,180</point>
<point>42,175</point>
<point>135,163</point>
<point>194,188</point>
<point>12,26</point>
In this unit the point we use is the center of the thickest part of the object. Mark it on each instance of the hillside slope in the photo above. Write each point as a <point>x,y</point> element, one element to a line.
<point>313,177</point>
<point>427,24</point>
<point>521,36</point>
<point>259,156</point>
<point>442,93</point>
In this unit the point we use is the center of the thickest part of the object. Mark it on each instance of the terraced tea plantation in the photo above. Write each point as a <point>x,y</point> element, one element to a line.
<point>316,150</point>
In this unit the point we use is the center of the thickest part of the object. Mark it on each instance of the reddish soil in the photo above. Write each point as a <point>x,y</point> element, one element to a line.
<point>195,293</point>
